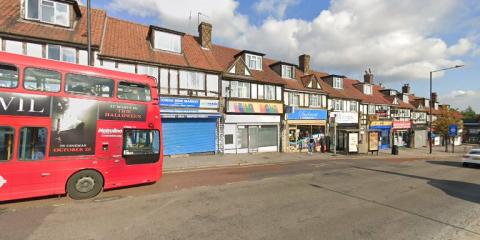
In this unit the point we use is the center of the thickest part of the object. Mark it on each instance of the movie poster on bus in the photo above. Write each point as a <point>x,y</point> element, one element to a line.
<point>74,123</point>
<point>122,112</point>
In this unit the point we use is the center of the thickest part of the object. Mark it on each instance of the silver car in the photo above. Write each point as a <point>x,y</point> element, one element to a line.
<point>471,158</point>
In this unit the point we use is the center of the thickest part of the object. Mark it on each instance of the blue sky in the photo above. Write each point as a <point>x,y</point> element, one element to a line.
<point>401,41</point>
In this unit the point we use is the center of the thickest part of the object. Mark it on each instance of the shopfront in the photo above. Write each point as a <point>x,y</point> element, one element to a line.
<point>347,131</point>
<point>303,124</point>
<point>402,133</point>
<point>384,129</point>
<point>420,135</point>
<point>252,127</point>
<point>189,125</point>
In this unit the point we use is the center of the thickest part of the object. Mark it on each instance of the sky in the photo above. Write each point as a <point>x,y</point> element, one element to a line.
<point>401,41</point>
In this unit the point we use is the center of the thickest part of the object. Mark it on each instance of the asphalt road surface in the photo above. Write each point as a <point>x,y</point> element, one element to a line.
<point>347,199</point>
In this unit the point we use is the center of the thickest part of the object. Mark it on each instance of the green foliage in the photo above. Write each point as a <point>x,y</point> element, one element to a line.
<point>446,118</point>
<point>469,113</point>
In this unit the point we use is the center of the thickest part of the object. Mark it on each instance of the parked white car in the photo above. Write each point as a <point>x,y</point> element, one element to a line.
<point>472,157</point>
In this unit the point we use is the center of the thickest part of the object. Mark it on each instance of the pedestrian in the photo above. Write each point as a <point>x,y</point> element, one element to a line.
<point>311,145</point>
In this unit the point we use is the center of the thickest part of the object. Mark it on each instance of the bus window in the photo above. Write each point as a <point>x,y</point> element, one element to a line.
<point>141,146</point>
<point>33,142</point>
<point>133,91</point>
<point>6,143</point>
<point>42,80</point>
<point>89,85</point>
<point>8,76</point>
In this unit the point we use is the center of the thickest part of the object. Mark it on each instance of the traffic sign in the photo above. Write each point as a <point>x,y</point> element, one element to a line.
<point>452,130</point>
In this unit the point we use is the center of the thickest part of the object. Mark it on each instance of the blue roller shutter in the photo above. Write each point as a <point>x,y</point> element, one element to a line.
<point>181,136</point>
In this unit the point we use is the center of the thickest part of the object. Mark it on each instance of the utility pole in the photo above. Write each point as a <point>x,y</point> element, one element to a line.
<point>89,33</point>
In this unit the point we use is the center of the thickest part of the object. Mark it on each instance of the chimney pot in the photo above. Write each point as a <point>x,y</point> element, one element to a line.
<point>368,77</point>
<point>406,88</point>
<point>205,34</point>
<point>304,63</point>
<point>434,97</point>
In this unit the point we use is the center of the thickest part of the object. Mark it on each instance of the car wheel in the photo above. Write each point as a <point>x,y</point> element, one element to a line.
<point>465,164</point>
<point>84,184</point>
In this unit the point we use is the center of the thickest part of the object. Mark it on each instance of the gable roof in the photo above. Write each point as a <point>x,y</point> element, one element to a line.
<point>226,56</point>
<point>128,40</point>
<point>12,23</point>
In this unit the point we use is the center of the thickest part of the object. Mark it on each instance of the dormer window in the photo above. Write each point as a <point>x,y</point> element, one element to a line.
<point>167,41</point>
<point>48,12</point>
<point>337,83</point>
<point>287,72</point>
<point>405,98</point>
<point>253,62</point>
<point>367,89</point>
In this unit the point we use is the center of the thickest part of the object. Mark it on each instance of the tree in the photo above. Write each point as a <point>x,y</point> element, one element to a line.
<point>446,118</point>
<point>469,113</point>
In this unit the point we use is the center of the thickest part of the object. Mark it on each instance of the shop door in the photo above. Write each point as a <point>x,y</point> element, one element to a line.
<point>182,136</point>
<point>385,138</point>
<point>253,138</point>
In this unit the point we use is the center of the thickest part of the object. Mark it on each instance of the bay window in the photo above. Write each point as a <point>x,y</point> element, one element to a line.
<point>48,11</point>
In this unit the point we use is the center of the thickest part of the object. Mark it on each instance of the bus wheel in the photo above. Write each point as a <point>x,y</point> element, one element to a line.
<point>85,184</point>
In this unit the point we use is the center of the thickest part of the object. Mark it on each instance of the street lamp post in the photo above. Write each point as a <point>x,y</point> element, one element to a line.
<point>431,102</point>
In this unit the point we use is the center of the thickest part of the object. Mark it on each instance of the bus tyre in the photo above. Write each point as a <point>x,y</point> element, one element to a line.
<point>84,184</point>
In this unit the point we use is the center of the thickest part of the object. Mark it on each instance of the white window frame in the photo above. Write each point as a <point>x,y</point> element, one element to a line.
<point>257,65</point>
<point>337,83</point>
<point>287,71</point>
<point>353,106</point>
<point>368,89</point>
<point>54,12</point>
<point>61,53</point>
<point>18,45</point>
<point>177,48</point>
<point>315,100</point>
<point>267,93</point>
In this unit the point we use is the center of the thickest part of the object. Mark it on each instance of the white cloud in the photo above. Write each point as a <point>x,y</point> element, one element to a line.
<point>277,8</point>
<point>398,39</point>
<point>461,99</point>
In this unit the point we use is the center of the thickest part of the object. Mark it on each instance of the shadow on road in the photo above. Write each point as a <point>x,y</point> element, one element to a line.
<point>461,190</point>
<point>452,164</point>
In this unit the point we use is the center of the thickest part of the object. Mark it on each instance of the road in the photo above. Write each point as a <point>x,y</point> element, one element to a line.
<point>337,199</point>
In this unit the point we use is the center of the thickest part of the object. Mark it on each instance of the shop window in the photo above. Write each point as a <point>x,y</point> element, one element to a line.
<point>6,143</point>
<point>8,76</point>
<point>42,80</point>
<point>267,136</point>
<point>33,142</point>
<point>89,85</point>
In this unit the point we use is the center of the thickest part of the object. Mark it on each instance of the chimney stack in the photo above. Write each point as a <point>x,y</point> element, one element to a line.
<point>406,88</point>
<point>304,63</point>
<point>368,77</point>
<point>434,97</point>
<point>205,34</point>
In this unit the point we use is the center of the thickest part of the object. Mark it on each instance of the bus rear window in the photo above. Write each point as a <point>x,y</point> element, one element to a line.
<point>6,143</point>
<point>42,80</point>
<point>141,146</point>
<point>134,91</point>
<point>8,76</point>
<point>89,85</point>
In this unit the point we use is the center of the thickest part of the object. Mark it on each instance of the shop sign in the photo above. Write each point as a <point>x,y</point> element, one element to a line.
<point>344,117</point>
<point>382,113</point>
<point>254,107</point>
<point>401,124</point>
<point>381,123</point>
<point>188,102</point>
<point>307,114</point>
<point>372,118</point>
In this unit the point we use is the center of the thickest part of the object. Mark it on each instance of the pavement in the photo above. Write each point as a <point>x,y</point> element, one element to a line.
<point>196,162</point>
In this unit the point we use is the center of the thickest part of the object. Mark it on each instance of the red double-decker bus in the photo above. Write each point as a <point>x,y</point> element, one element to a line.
<point>67,128</point>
